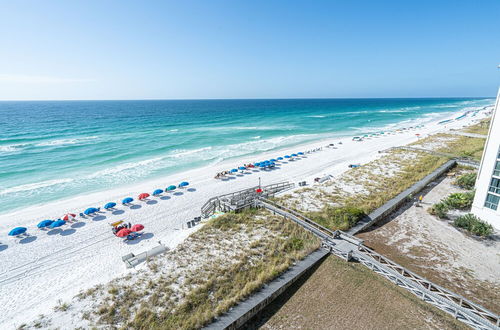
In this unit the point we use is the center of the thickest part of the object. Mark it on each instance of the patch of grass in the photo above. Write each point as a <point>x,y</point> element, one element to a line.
<point>474,225</point>
<point>463,146</point>
<point>61,306</point>
<point>481,128</point>
<point>219,283</point>
<point>466,181</point>
<point>341,218</point>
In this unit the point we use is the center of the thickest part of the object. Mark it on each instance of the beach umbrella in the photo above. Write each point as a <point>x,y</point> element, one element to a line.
<point>258,190</point>
<point>157,192</point>
<point>170,188</point>
<point>57,223</point>
<point>273,160</point>
<point>109,205</point>
<point>294,155</point>
<point>69,216</point>
<point>143,196</point>
<point>287,156</point>
<point>300,153</point>
<point>280,158</point>
<point>123,232</point>
<point>242,168</point>
<point>183,184</point>
<point>17,231</point>
<point>90,210</point>
<point>127,200</point>
<point>256,164</point>
<point>137,227</point>
<point>44,223</point>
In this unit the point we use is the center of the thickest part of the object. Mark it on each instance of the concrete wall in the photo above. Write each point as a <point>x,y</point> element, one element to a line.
<point>485,172</point>
<point>397,201</point>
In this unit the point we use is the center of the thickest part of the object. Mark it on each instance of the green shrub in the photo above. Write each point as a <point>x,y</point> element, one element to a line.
<point>466,181</point>
<point>460,201</point>
<point>440,210</point>
<point>474,225</point>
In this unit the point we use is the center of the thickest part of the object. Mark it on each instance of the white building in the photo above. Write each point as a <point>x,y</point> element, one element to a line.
<point>487,200</point>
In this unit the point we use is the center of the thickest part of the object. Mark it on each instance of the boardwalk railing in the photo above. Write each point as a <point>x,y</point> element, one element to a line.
<point>350,248</point>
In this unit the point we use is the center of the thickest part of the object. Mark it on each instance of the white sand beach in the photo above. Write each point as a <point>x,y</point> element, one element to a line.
<point>48,266</point>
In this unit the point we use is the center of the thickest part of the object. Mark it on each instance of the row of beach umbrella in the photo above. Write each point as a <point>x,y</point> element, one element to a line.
<point>267,163</point>
<point>91,210</point>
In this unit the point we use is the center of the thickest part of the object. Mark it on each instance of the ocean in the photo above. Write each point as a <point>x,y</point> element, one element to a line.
<point>51,150</point>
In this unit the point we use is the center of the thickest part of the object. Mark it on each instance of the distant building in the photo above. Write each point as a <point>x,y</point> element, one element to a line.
<point>487,200</point>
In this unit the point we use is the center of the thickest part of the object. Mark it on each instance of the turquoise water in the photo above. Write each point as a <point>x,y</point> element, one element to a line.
<point>52,150</point>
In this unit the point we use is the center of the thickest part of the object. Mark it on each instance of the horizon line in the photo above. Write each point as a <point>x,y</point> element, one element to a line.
<point>245,99</point>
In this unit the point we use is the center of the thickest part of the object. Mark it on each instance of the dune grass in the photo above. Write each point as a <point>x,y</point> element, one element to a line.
<point>218,266</point>
<point>481,128</point>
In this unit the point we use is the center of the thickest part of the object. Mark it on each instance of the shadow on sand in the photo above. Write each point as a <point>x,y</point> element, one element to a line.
<point>152,202</point>
<point>68,232</point>
<point>78,224</point>
<point>28,239</point>
<point>135,207</point>
<point>140,238</point>
<point>118,212</point>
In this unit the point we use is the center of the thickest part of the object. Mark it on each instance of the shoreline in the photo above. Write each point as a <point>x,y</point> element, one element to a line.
<point>82,256</point>
<point>181,175</point>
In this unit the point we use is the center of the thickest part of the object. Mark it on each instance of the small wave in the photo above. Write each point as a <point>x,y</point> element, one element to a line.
<point>119,169</point>
<point>34,186</point>
<point>61,142</point>
<point>9,148</point>
<point>316,116</point>
<point>173,130</point>
<point>256,137</point>
<point>180,153</point>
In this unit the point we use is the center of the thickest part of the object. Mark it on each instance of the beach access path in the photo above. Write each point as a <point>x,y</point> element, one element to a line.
<point>39,271</point>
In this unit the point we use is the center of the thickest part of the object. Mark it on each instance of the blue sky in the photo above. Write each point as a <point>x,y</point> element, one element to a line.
<point>248,49</point>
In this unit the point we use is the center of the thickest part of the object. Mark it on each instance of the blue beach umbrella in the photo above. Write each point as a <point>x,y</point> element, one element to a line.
<point>234,170</point>
<point>256,164</point>
<point>294,155</point>
<point>300,153</point>
<point>184,184</point>
<point>90,210</point>
<point>170,188</point>
<point>280,158</point>
<point>242,168</point>
<point>109,205</point>
<point>273,160</point>
<point>157,192</point>
<point>45,223</point>
<point>17,231</point>
<point>127,200</point>
<point>287,156</point>
<point>57,223</point>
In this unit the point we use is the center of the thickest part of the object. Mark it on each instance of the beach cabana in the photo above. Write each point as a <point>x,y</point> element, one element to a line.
<point>90,210</point>
<point>109,205</point>
<point>157,192</point>
<point>127,200</point>
<point>57,223</point>
<point>69,216</point>
<point>183,184</point>
<point>137,227</point>
<point>17,231</point>
<point>44,223</point>
<point>123,232</point>
<point>170,188</point>
<point>143,196</point>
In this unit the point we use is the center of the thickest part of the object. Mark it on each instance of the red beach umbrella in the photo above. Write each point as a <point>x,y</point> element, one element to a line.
<point>123,232</point>
<point>143,196</point>
<point>69,216</point>
<point>137,227</point>
<point>258,190</point>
